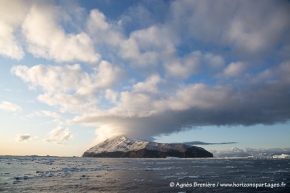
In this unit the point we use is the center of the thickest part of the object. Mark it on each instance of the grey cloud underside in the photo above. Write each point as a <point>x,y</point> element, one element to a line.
<point>205,143</point>
<point>25,137</point>
<point>267,104</point>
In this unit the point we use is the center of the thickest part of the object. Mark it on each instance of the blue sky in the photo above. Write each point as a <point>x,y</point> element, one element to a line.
<point>74,73</point>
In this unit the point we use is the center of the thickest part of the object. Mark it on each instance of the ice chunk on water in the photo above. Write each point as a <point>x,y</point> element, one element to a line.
<point>173,158</point>
<point>193,176</point>
<point>282,171</point>
<point>181,173</point>
<point>231,166</point>
<point>282,156</point>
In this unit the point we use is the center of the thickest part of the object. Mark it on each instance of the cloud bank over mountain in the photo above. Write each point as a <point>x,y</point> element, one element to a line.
<point>197,65</point>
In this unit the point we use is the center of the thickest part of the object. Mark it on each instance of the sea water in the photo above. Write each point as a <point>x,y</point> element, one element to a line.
<point>74,174</point>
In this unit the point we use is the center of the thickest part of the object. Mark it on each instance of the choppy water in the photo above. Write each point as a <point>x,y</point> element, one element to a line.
<point>60,174</point>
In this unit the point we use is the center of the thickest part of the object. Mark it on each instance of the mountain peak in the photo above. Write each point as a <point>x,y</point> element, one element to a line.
<point>124,138</point>
<point>121,137</point>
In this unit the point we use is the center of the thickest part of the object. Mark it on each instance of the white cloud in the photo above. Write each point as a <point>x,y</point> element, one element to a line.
<point>273,75</point>
<point>31,115</point>
<point>51,78</point>
<point>138,102</point>
<point>103,32</point>
<point>186,66</point>
<point>107,75</point>
<point>193,63</point>
<point>149,85</point>
<point>214,61</point>
<point>250,37</point>
<point>142,48</point>
<point>283,71</point>
<point>148,46</point>
<point>5,105</point>
<point>67,78</point>
<point>69,87</point>
<point>198,96</point>
<point>240,28</point>
<point>111,95</point>
<point>97,22</point>
<point>9,46</point>
<point>25,137</point>
<point>41,31</point>
<point>51,114</point>
<point>59,135</point>
<point>47,39</point>
<point>235,69</point>
<point>12,14</point>
<point>72,103</point>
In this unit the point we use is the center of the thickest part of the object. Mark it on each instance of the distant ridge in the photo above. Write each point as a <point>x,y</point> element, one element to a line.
<point>122,146</point>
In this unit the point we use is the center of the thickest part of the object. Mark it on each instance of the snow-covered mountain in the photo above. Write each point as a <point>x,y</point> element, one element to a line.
<point>256,152</point>
<point>122,146</point>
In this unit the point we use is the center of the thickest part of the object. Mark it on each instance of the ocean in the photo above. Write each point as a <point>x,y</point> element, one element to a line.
<point>77,174</point>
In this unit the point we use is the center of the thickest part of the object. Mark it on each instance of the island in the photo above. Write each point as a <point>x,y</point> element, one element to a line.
<point>124,147</point>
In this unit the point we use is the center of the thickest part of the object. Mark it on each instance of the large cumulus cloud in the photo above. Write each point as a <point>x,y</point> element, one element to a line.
<point>149,112</point>
<point>199,65</point>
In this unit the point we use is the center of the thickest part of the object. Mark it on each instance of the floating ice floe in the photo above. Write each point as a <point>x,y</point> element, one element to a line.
<point>181,173</point>
<point>282,171</point>
<point>137,180</point>
<point>173,158</point>
<point>231,166</point>
<point>192,176</point>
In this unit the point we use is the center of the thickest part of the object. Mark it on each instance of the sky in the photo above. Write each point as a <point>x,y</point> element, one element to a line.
<point>212,73</point>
